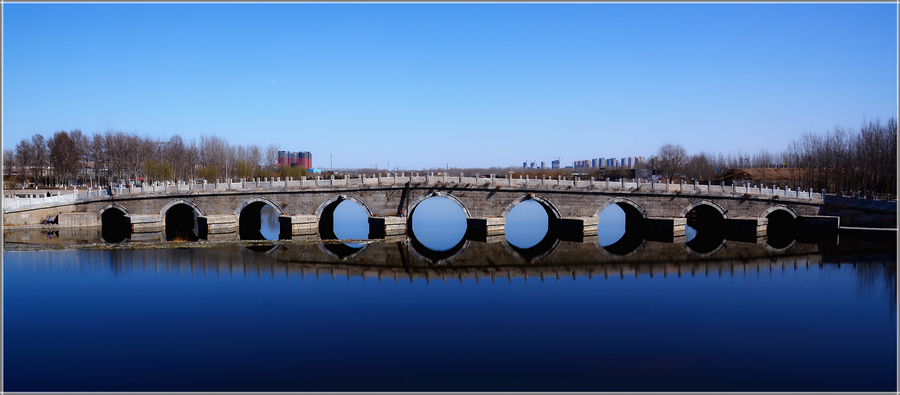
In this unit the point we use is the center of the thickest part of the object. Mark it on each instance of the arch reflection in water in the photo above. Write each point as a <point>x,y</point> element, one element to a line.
<point>526,224</point>
<point>704,230</point>
<point>258,221</point>
<point>543,236</point>
<point>620,229</point>
<point>781,229</point>
<point>438,223</point>
<point>344,220</point>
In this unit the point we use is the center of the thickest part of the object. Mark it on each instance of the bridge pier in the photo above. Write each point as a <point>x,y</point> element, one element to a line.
<point>216,224</point>
<point>490,226</point>
<point>665,229</point>
<point>77,219</point>
<point>380,227</point>
<point>745,229</point>
<point>578,227</point>
<point>295,225</point>
<point>143,223</point>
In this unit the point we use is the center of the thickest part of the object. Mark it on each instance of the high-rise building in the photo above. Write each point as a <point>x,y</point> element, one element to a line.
<point>288,158</point>
<point>555,164</point>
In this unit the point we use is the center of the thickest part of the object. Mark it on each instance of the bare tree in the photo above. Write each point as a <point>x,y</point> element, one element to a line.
<point>9,162</point>
<point>63,156</point>
<point>271,156</point>
<point>670,159</point>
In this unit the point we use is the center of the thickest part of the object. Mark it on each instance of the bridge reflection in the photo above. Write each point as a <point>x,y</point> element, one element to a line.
<point>394,261</point>
<point>635,247</point>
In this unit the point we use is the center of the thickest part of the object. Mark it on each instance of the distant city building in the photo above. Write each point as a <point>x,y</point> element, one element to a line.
<point>291,159</point>
<point>555,164</point>
<point>593,163</point>
<point>543,166</point>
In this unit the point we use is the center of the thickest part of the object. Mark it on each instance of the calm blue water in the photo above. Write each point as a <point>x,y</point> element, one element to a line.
<point>145,320</point>
<point>231,319</point>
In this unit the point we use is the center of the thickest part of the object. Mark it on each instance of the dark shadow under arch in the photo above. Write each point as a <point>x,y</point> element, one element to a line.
<point>181,223</point>
<point>709,222</point>
<point>781,229</point>
<point>113,227</point>
<point>250,220</point>
<point>635,228</point>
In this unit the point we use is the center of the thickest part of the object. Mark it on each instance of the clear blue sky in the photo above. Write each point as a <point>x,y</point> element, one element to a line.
<point>469,85</point>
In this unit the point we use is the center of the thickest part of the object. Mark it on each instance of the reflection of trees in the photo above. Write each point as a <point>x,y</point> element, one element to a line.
<point>869,274</point>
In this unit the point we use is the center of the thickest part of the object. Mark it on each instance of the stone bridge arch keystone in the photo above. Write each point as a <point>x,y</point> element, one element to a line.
<point>420,199</point>
<point>779,207</point>
<point>173,203</point>
<point>548,206</point>
<point>704,202</point>
<point>340,198</point>
<point>109,206</point>
<point>625,201</point>
<point>255,199</point>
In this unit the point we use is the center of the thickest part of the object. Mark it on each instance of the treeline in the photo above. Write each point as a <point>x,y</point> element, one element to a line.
<point>116,156</point>
<point>847,160</point>
<point>864,161</point>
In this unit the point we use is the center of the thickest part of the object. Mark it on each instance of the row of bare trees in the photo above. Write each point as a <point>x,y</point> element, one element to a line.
<point>862,161</point>
<point>844,160</point>
<point>116,156</point>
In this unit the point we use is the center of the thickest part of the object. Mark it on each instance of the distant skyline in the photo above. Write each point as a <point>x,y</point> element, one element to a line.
<point>465,85</point>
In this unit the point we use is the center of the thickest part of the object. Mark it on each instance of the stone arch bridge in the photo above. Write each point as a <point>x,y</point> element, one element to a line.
<point>306,206</point>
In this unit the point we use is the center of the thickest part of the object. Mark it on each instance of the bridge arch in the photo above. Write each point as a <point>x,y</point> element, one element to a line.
<point>549,242</point>
<point>112,206</point>
<point>173,203</point>
<point>622,202</point>
<point>256,199</point>
<point>420,199</point>
<point>180,219</point>
<point>332,202</point>
<point>112,223</point>
<point>704,202</point>
<point>632,240</point>
<point>779,207</point>
<point>552,211</point>
<point>782,224</point>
